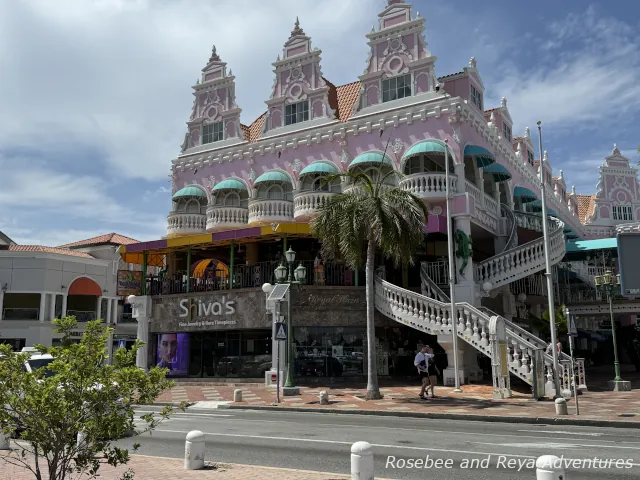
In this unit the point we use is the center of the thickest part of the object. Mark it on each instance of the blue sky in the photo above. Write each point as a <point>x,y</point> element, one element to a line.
<point>95,93</point>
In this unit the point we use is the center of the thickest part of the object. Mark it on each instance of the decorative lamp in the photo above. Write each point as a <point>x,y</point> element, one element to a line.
<point>267,287</point>
<point>522,297</point>
<point>290,255</point>
<point>300,273</point>
<point>281,273</point>
<point>487,286</point>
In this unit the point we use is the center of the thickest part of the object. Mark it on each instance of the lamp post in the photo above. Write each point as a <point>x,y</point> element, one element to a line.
<point>547,261</point>
<point>610,283</point>
<point>291,277</point>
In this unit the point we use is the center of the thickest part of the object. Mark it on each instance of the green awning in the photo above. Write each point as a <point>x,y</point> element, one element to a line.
<point>586,245</point>
<point>427,146</point>
<point>536,206</point>
<point>524,194</point>
<point>371,157</point>
<point>499,172</point>
<point>273,176</point>
<point>483,157</point>
<point>319,167</point>
<point>230,183</point>
<point>190,191</point>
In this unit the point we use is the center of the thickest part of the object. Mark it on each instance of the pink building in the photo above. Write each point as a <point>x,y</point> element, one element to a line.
<point>235,179</point>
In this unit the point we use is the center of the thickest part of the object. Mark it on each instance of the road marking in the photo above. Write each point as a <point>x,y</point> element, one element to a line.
<point>586,434</point>
<point>555,445</point>
<point>186,414</point>
<point>309,440</point>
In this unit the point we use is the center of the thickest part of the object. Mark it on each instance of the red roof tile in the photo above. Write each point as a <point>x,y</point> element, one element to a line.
<point>586,206</point>
<point>41,249</point>
<point>113,238</point>
<point>450,75</point>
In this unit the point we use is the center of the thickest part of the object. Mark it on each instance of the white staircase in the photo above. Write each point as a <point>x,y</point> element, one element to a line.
<point>523,260</point>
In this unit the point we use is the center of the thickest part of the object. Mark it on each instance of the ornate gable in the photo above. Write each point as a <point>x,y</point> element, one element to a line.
<point>298,80</point>
<point>398,49</point>
<point>214,104</point>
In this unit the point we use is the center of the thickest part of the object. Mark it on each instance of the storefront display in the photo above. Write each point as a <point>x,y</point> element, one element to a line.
<point>173,353</point>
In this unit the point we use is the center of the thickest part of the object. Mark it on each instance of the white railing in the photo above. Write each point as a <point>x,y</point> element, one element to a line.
<point>437,271</point>
<point>184,223</point>
<point>20,314</point>
<point>429,184</point>
<point>429,287</point>
<point>475,193</point>
<point>227,217</point>
<point>490,205</point>
<point>522,260</point>
<point>583,272</point>
<point>270,211</point>
<point>434,317</point>
<point>529,285</point>
<point>529,221</point>
<point>82,315</point>
<point>306,204</point>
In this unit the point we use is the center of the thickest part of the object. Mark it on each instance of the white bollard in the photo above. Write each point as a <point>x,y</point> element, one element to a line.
<point>549,467</point>
<point>561,407</point>
<point>361,461</point>
<point>80,438</point>
<point>194,451</point>
<point>5,440</point>
<point>237,395</point>
<point>324,398</point>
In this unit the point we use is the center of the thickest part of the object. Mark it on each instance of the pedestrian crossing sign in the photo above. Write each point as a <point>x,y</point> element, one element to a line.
<point>281,331</point>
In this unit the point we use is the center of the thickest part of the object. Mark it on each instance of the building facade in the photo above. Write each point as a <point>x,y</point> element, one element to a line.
<point>244,192</point>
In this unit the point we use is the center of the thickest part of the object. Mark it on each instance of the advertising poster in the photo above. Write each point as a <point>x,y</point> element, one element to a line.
<point>173,353</point>
<point>129,283</point>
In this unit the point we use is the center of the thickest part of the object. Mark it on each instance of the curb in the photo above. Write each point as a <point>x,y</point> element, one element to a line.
<point>448,416</point>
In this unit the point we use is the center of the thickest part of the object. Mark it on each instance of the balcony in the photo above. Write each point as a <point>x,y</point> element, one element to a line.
<point>306,204</point>
<point>223,218</point>
<point>267,211</point>
<point>20,314</point>
<point>82,315</point>
<point>179,223</point>
<point>429,185</point>
<point>482,200</point>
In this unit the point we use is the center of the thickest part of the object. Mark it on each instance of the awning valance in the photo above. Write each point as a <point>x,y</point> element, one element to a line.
<point>199,269</point>
<point>371,157</point>
<point>190,191</point>
<point>483,156</point>
<point>426,146</point>
<point>273,176</point>
<point>320,167</point>
<point>499,172</point>
<point>524,194</point>
<point>586,245</point>
<point>231,184</point>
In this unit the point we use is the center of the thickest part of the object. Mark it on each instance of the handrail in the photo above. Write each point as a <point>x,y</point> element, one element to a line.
<point>507,212</point>
<point>424,276</point>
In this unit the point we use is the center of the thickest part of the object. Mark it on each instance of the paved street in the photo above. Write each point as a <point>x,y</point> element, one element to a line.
<point>321,442</point>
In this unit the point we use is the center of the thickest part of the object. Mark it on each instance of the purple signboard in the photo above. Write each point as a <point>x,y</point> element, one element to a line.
<point>173,353</point>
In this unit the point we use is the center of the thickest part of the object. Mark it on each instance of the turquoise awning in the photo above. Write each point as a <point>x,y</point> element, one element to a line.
<point>230,183</point>
<point>371,157</point>
<point>484,157</point>
<point>427,146</point>
<point>524,194</point>
<point>499,172</point>
<point>273,176</point>
<point>536,206</point>
<point>586,245</point>
<point>190,192</point>
<point>319,167</point>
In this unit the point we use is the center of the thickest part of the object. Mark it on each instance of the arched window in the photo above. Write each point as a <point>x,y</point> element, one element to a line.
<point>232,200</point>
<point>275,192</point>
<point>193,206</point>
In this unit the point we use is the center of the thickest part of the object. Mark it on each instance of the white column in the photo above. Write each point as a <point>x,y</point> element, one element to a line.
<point>459,172</point>
<point>52,307</point>
<point>143,335</point>
<point>99,308</point>
<point>43,304</point>
<point>114,312</point>
<point>64,305</point>
<point>1,304</point>
<point>466,285</point>
<point>108,318</point>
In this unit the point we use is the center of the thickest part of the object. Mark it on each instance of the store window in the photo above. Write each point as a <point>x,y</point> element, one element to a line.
<point>17,344</point>
<point>329,351</point>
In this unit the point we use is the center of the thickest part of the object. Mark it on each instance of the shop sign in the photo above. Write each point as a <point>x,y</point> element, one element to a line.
<point>326,300</point>
<point>129,283</point>
<point>197,308</point>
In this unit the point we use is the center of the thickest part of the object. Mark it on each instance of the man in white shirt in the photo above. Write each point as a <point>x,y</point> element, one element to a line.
<point>422,364</point>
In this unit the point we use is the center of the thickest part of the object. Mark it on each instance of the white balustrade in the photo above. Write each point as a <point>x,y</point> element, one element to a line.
<point>491,205</point>
<point>528,221</point>
<point>306,204</point>
<point>226,217</point>
<point>429,185</point>
<point>270,211</point>
<point>186,223</point>
<point>475,193</point>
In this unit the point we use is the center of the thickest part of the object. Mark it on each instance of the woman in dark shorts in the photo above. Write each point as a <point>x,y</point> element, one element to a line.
<point>433,373</point>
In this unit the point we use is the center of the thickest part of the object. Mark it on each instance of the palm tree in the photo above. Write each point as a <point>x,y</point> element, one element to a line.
<point>383,218</point>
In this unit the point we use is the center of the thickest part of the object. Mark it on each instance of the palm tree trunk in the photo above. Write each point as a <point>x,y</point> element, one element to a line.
<point>373,389</point>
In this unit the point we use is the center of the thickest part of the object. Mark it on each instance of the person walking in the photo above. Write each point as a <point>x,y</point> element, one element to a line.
<point>421,362</point>
<point>432,372</point>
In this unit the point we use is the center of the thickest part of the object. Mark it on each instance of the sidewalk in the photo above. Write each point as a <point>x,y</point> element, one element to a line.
<point>475,400</point>
<point>160,468</point>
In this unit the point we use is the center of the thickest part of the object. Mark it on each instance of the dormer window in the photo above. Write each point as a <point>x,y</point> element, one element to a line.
<point>213,132</point>
<point>296,113</point>
<point>622,212</point>
<point>476,97</point>
<point>396,87</point>
<point>506,131</point>
<point>530,157</point>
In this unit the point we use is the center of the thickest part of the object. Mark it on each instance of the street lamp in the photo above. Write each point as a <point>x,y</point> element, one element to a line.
<point>295,277</point>
<point>520,305</point>
<point>610,283</point>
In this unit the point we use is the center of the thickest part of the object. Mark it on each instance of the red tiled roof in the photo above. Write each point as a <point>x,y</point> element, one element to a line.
<point>450,75</point>
<point>517,139</point>
<point>114,238</point>
<point>586,206</point>
<point>41,249</point>
<point>252,132</point>
<point>345,98</point>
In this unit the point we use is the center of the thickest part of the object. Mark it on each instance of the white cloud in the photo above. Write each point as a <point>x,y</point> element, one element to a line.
<point>115,75</point>
<point>584,76</point>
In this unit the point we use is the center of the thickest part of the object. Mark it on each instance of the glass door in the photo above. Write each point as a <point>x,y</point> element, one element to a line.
<point>195,355</point>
